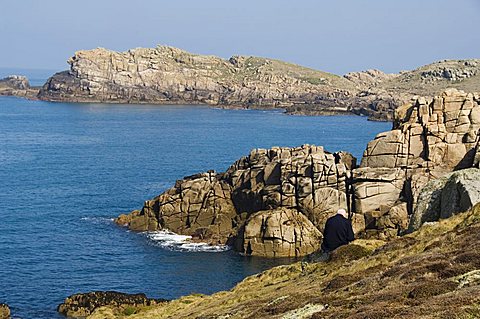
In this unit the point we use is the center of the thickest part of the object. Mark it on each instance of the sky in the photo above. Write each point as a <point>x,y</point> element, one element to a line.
<point>337,36</point>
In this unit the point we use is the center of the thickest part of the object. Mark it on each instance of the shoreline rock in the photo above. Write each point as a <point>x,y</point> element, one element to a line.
<point>83,304</point>
<point>17,85</point>
<point>430,138</point>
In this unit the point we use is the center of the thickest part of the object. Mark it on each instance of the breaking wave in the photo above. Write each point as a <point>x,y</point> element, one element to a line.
<point>169,240</point>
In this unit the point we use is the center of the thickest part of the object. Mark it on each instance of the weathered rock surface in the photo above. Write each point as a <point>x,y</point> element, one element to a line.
<point>214,207</point>
<point>17,85</point>
<point>4,311</point>
<point>451,194</point>
<point>430,138</point>
<point>82,305</point>
<point>280,233</point>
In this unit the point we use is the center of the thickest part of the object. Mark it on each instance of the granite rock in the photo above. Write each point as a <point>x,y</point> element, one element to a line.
<point>279,233</point>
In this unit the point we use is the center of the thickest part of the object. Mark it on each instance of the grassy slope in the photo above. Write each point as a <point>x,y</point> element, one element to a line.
<point>413,82</point>
<point>415,276</point>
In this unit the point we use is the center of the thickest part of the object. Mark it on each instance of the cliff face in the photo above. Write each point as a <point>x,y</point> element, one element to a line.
<point>170,75</point>
<point>430,138</point>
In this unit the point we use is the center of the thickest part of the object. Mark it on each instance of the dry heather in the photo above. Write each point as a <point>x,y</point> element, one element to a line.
<point>432,273</point>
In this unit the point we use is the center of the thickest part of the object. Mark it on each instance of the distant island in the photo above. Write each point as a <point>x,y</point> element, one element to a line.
<point>167,75</point>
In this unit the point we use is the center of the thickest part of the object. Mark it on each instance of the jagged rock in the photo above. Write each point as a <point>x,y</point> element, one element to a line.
<point>430,138</point>
<point>83,304</point>
<point>213,207</point>
<point>441,198</point>
<point>4,311</point>
<point>280,233</point>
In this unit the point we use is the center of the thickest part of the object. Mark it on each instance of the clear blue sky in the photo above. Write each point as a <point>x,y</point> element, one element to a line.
<point>331,35</point>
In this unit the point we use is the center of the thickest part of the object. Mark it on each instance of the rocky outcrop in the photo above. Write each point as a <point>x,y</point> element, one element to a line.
<point>82,305</point>
<point>280,233</point>
<point>442,198</point>
<point>170,75</point>
<point>4,311</point>
<point>215,207</point>
<point>264,203</point>
<point>17,85</point>
<point>430,138</point>
<point>369,77</point>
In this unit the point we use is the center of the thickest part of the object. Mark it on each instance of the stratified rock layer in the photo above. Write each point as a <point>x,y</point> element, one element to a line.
<point>262,203</point>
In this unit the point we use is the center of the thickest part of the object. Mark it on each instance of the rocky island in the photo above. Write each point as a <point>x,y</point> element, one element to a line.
<point>167,75</point>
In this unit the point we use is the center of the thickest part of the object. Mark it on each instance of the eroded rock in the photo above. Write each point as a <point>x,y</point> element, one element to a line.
<point>442,198</point>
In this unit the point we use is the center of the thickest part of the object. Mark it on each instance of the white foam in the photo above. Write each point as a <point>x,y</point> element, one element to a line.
<point>169,240</point>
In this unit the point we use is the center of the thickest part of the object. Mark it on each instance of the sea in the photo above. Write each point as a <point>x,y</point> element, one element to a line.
<point>68,169</point>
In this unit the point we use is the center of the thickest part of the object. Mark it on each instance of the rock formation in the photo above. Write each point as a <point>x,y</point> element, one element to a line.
<point>82,305</point>
<point>281,232</point>
<point>17,85</point>
<point>169,75</point>
<point>214,207</point>
<point>274,202</point>
<point>4,311</point>
<point>431,137</point>
<point>453,193</point>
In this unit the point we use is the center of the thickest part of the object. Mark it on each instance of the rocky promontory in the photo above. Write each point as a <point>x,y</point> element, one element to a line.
<point>167,75</point>
<point>170,75</point>
<point>275,202</point>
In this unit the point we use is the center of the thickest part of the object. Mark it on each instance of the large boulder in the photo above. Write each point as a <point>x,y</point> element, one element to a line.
<point>280,233</point>
<point>83,304</point>
<point>451,194</point>
<point>4,311</point>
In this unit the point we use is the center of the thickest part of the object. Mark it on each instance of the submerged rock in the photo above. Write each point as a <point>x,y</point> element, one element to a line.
<point>83,304</point>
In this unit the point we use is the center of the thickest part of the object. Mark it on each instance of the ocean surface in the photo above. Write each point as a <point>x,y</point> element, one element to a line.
<point>66,170</point>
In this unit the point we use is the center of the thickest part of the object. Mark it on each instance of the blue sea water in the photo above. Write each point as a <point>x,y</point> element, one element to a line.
<point>66,170</point>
